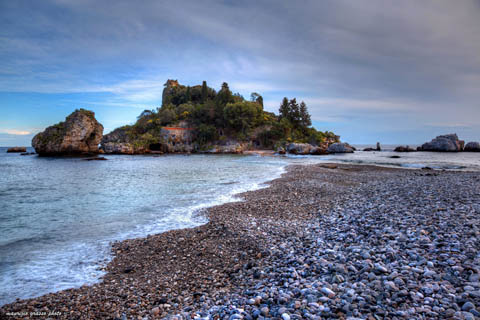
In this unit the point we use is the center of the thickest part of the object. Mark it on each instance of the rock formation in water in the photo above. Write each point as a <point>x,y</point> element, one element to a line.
<point>444,143</point>
<point>377,148</point>
<point>80,133</point>
<point>404,149</point>
<point>17,149</point>
<point>472,147</point>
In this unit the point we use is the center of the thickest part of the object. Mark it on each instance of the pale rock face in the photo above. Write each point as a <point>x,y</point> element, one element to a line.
<point>444,143</point>
<point>340,148</point>
<point>233,148</point>
<point>80,133</point>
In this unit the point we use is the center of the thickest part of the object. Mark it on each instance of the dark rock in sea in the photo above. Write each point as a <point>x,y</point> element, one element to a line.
<point>444,143</point>
<point>16,149</point>
<point>27,153</point>
<point>404,149</point>
<point>427,168</point>
<point>95,159</point>
<point>80,133</point>
<point>281,150</point>
<point>395,157</point>
<point>472,147</point>
<point>340,148</point>
<point>377,148</point>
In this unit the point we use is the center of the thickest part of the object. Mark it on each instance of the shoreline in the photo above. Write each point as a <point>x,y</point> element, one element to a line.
<point>191,271</point>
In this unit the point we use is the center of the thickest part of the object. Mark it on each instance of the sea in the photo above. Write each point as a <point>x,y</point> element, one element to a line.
<point>59,216</point>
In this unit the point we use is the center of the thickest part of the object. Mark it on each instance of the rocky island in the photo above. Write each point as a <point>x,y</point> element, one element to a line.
<point>79,134</point>
<point>199,119</point>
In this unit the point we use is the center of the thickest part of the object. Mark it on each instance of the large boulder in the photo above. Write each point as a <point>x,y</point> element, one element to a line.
<point>299,148</point>
<point>444,143</point>
<point>318,150</point>
<point>80,133</point>
<point>340,148</point>
<point>472,147</point>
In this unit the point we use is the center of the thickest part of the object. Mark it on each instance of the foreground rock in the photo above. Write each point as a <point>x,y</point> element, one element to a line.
<point>323,242</point>
<point>404,149</point>
<point>80,133</point>
<point>444,143</point>
<point>472,147</point>
<point>340,148</point>
<point>16,149</point>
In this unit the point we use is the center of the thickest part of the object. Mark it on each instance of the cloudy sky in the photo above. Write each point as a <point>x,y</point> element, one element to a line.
<point>379,70</point>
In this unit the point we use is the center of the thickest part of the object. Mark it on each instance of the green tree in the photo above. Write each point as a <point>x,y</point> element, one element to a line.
<point>188,95</point>
<point>284,109</point>
<point>305,118</point>
<point>255,97</point>
<point>204,91</point>
<point>242,116</point>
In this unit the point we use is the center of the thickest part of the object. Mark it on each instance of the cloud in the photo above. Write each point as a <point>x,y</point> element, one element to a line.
<point>403,63</point>
<point>15,132</point>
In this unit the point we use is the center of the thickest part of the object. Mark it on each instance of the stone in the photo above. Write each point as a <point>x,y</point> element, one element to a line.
<point>377,148</point>
<point>265,311</point>
<point>472,147</point>
<point>467,306</point>
<point>328,292</point>
<point>285,316</point>
<point>299,148</point>
<point>318,150</point>
<point>444,143</point>
<point>340,148</point>
<point>16,149</point>
<point>404,149</point>
<point>155,311</point>
<point>80,133</point>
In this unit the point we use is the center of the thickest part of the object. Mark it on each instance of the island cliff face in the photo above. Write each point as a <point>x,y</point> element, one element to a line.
<point>80,133</point>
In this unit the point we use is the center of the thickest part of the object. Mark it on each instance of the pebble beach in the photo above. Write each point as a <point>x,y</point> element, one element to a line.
<point>324,241</point>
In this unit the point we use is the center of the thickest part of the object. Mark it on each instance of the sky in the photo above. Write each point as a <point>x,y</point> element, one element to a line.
<point>379,70</point>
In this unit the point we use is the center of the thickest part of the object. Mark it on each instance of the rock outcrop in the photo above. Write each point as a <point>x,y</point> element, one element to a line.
<point>17,149</point>
<point>404,149</point>
<point>444,143</point>
<point>229,148</point>
<point>377,148</point>
<point>472,147</point>
<point>80,133</point>
<point>299,148</point>
<point>340,148</point>
<point>318,150</point>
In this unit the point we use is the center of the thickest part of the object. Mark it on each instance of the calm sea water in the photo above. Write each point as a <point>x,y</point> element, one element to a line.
<point>58,216</point>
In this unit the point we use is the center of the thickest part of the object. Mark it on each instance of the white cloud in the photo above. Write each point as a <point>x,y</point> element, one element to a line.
<point>15,132</point>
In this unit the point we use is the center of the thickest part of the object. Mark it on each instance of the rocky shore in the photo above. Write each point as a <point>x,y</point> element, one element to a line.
<point>323,241</point>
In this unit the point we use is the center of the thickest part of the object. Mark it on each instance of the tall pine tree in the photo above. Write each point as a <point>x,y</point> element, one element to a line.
<point>305,119</point>
<point>204,91</point>
<point>284,109</point>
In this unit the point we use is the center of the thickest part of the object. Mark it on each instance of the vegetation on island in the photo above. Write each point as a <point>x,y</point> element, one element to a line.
<point>217,117</point>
